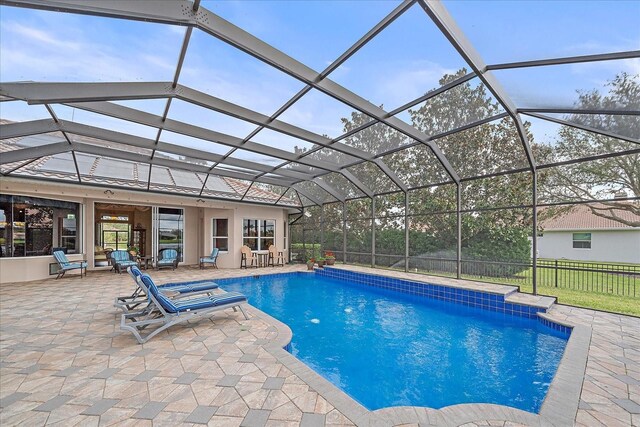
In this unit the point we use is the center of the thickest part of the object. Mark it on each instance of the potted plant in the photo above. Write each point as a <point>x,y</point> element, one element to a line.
<point>320,262</point>
<point>133,251</point>
<point>310,263</point>
<point>329,257</point>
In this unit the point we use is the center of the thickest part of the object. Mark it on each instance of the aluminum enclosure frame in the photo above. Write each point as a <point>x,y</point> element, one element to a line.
<point>97,98</point>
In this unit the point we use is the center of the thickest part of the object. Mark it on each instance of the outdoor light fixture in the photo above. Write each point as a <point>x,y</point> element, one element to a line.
<point>108,192</point>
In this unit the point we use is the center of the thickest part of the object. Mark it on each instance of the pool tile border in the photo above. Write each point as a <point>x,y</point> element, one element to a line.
<point>558,409</point>
<point>473,298</point>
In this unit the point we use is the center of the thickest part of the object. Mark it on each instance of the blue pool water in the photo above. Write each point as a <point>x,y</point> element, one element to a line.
<point>386,348</point>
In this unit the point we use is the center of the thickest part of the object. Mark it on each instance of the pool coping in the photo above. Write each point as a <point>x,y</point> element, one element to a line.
<point>558,409</point>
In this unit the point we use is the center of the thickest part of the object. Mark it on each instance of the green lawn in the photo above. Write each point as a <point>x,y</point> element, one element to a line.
<point>595,300</point>
<point>600,291</point>
<point>591,287</point>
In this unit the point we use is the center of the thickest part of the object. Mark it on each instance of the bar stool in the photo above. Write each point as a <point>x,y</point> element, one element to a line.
<point>276,257</point>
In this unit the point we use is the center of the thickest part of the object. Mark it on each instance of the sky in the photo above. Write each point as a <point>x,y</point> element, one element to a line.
<point>398,65</point>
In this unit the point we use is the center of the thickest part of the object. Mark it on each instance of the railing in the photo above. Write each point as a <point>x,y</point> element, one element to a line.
<point>617,279</point>
<point>608,278</point>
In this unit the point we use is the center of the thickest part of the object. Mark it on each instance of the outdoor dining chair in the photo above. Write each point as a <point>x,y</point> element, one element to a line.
<point>211,259</point>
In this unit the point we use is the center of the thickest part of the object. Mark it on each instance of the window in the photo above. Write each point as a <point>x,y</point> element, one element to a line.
<point>31,226</point>
<point>258,234</point>
<point>115,235</point>
<point>582,240</point>
<point>220,231</point>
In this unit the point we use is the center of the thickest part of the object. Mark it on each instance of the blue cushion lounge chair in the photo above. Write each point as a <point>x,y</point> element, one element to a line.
<point>165,312</point>
<point>174,290</point>
<point>64,265</point>
<point>122,260</point>
<point>167,258</point>
<point>211,259</point>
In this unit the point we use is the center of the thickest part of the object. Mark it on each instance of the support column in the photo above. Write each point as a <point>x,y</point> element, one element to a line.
<point>534,238</point>
<point>322,230</point>
<point>344,232</point>
<point>406,231</point>
<point>287,237</point>
<point>458,231</point>
<point>373,232</point>
<point>304,238</point>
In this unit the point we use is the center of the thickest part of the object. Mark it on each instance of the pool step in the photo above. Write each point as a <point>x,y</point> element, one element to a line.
<point>541,301</point>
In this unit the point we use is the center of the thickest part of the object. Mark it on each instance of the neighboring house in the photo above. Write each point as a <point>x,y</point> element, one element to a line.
<point>578,234</point>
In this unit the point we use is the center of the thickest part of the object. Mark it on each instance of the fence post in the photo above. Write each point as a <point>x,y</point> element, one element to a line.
<point>406,231</point>
<point>321,254</point>
<point>373,232</point>
<point>344,232</point>
<point>556,269</point>
<point>534,200</point>
<point>459,232</point>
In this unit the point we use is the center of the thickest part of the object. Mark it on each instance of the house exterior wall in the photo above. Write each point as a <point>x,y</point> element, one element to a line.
<point>606,245</point>
<point>236,215</point>
<point>197,224</point>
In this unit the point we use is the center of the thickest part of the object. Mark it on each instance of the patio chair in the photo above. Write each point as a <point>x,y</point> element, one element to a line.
<point>276,257</point>
<point>165,312</point>
<point>211,259</point>
<point>122,260</point>
<point>248,255</point>
<point>65,265</point>
<point>167,258</point>
<point>172,290</point>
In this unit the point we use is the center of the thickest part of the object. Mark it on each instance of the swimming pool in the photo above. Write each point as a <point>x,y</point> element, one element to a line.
<point>387,348</point>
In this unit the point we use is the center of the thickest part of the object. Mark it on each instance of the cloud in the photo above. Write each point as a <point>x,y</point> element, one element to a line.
<point>408,81</point>
<point>34,35</point>
<point>56,50</point>
<point>225,72</point>
<point>595,47</point>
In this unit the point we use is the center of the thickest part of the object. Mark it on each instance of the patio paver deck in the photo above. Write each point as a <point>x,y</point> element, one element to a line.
<point>65,361</point>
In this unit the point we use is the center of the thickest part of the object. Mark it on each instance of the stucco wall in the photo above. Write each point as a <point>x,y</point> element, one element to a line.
<point>236,215</point>
<point>606,245</point>
<point>197,237</point>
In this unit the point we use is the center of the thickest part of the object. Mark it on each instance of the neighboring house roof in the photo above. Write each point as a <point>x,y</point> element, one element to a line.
<point>580,217</point>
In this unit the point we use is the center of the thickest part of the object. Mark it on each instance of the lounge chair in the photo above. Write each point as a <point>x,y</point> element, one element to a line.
<point>248,255</point>
<point>165,312</point>
<point>167,258</point>
<point>122,260</point>
<point>64,265</point>
<point>211,259</point>
<point>276,257</point>
<point>174,290</point>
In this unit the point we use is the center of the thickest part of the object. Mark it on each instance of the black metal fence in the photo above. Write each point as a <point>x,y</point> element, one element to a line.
<point>608,278</point>
<point>617,279</point>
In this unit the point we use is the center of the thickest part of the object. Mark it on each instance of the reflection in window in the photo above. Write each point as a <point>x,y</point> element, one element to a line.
<point>221,234</point>
<point>258,234</point>
<point>171,230</point>
<point>31,226</point>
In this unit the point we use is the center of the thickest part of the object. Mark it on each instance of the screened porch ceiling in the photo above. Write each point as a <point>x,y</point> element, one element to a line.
<point>182,97</point>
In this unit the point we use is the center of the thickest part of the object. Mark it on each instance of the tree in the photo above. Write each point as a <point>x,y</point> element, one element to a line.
<point>606,178</point>
<point>481,150</point>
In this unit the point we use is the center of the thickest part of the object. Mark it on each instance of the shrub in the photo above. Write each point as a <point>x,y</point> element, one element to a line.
<point>301,252</point>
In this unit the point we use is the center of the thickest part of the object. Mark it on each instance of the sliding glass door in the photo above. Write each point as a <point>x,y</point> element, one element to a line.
<point>168,230</point>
